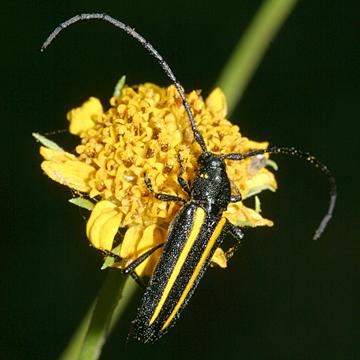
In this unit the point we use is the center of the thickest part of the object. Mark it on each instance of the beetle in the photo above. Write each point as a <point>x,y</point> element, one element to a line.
<point>199,227</point>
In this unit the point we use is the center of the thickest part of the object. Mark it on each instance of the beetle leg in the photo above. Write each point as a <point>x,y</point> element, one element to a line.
<point>131,267</point>
<point>117,258</point>
<point>182,181</point>
<point>137,279</point>
<point>237,233</point>
<point>159,196</point>
<point>184,185</point>
<point>237,197</point>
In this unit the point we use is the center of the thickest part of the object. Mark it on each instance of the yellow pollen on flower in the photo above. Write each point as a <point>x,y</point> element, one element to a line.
<point>145,131</point>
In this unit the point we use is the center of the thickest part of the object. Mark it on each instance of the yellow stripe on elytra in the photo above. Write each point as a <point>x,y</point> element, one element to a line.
<point>199,266</point>
<point>199,218</point>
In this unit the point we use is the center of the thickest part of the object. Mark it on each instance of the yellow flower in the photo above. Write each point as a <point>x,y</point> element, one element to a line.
<point>145,130</point>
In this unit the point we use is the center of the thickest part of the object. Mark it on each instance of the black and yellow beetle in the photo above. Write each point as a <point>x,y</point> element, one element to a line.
<point>199,227</point>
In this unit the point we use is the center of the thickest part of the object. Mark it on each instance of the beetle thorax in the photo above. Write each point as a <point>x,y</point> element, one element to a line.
<point>211,187</point>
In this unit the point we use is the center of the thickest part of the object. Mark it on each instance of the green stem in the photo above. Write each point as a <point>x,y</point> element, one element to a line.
<point>112,300</point>
<point>251,48</point>
<point>73,349</point>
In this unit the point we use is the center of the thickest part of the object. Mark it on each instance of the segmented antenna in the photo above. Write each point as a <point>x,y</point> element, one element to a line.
<point>312,160</point>
<point>198,137</point>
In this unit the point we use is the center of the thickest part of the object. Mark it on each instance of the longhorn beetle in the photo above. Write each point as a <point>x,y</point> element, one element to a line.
<point>199,227</point>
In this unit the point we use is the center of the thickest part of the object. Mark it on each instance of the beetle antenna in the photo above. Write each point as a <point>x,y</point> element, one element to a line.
<point>312,160</point>
<point>198,137</point>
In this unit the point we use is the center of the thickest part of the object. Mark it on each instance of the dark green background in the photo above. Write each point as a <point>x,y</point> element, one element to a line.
<point>283,296</point>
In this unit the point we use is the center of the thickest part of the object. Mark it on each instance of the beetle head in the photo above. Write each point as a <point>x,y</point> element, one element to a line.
<point>210,161</point>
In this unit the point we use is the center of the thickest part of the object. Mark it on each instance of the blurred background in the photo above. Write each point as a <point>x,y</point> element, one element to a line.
<point>283,296</point>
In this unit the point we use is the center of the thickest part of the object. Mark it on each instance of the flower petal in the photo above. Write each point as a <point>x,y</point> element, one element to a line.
<point>240,215</point>
<point>137,241</point>
<point>131,239</point>
<point>72,173</point>
<point>58,156</point>
<point>103,225</point>
<point>219,258</point>
<point>216,102</point>
<point>81,118</point>
<point>263,180</point>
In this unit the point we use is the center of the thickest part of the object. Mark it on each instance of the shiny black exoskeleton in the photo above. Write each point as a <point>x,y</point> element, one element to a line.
<point>193,236</point>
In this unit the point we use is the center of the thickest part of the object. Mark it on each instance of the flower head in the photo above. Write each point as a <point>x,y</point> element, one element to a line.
<point>146,130</point>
